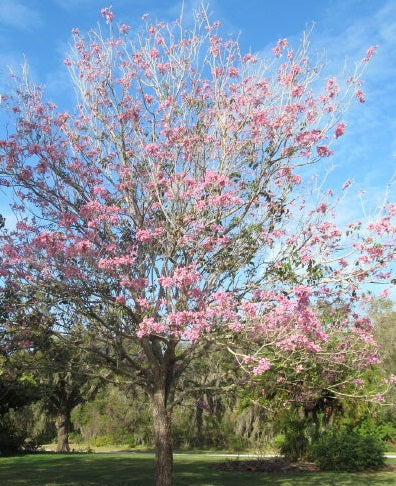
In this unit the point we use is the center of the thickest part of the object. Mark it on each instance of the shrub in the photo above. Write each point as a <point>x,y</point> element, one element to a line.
<point>11,440</point>
<point>101,441</point>
<point>385,432</point>
<point>295,440</point>
<point>347,451</point>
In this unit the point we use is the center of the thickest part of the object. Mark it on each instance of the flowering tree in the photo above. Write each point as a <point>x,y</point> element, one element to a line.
<point>170,208</point>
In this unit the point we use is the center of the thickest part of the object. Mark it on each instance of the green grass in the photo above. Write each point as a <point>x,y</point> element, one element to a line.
<point>138,469</point>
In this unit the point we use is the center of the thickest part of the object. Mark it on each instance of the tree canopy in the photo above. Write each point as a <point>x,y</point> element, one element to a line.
<point>174,207</point>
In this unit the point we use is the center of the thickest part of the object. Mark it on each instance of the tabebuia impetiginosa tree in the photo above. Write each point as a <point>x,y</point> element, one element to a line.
<point>170,209</point>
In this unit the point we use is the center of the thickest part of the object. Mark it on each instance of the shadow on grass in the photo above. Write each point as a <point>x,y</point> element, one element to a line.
<point>76,469</point>
<point>138,470</point>
<point>200,473</point>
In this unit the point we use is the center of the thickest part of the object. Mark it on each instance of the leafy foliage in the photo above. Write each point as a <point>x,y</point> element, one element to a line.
<point>348,451</point>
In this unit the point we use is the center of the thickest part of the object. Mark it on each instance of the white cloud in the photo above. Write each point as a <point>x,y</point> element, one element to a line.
<point>366,152</point>
<point>16,14</point>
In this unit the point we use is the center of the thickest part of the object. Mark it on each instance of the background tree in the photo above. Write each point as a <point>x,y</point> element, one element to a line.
<point>383,315</point>
<point>64,371</point>
<point>58,365</point>
<point>169,209</point>
<point>17,389</point>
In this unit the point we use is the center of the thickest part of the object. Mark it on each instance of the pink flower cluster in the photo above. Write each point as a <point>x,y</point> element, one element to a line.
<point>339,129</point>
<point>182,277</point>
<point>146,235</point>
<point>107,14</point>
<point>263,365</point>
<point>370,53</point>
<point>281,45</point>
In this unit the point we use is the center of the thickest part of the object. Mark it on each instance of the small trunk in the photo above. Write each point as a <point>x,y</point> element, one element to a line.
<point>199,424</point>
<point>62,424</point>
<point>163,439</point>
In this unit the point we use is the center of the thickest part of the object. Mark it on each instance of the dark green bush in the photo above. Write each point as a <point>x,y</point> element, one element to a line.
<point>385,432</point>
<point>14,441</point>
<point>347,451</point>
<point>11,440</point>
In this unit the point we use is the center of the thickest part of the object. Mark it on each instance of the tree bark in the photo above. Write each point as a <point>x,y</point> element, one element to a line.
<point>62,424</point>
<point>163,438</point>
<point>199,424</point>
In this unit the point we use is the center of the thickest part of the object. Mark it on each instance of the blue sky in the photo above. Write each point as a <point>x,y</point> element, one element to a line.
<point>40,31</point>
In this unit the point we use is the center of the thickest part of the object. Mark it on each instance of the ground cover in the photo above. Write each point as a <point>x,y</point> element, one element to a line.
<point>130,469</point>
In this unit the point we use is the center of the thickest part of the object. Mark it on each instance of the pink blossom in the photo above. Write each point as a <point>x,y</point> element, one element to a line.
<point>154,53</point>
<point>148,98</point>
<point>124,29</point>
<point>361,97</point>
<point>332,87</point>
<point>358,382</point>
<point>215,50</point>
<point>249,58</point>
<point>200,205</point>
<point>100,191</point>
<point>233,72</point>
<point>370,53</point>
<point>215,178</point>
<point>182,277</point>
<point>297,90</point>
<point>306,139</point>
<point>107,14</point>
<point>136,283</point>
<point>82,246</point>
<point>346,184</point>
<point>339,129</point>
<point>116,262</point>
<point>67,219</point>
<point>303,293</point>
<point>263,365</point>
<point>324,151</point>
<point>149,326</point>
<point>143,303</point>
<point>280,46</point>
<point>217,71</point>
<point>322,208</point>
<point>152,149</point>
<point>329,230</point>
<point>163,67</point>
<point>145,235</point>
<point>379,398</point>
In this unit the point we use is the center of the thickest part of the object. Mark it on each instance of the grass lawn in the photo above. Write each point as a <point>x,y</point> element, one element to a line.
<point>137,470</point>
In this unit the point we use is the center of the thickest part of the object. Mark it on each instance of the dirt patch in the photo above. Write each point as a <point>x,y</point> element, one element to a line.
<point>266,465</point>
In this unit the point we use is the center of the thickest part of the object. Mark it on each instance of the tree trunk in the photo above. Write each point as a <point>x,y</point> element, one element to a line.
<point>62,424</point>
<point>199,424</point>
<point>163,439</point>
